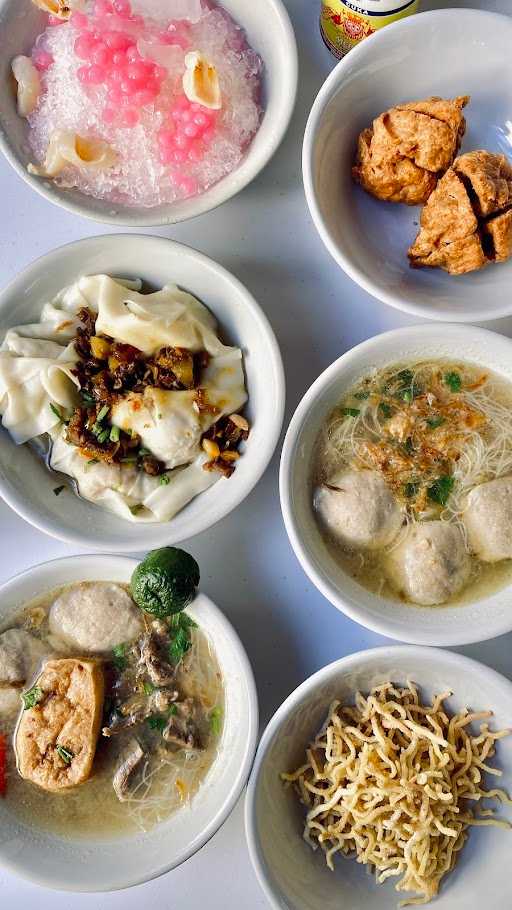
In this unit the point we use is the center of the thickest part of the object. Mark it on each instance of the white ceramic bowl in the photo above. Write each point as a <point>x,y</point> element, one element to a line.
<point>57,862</point>
<point>292,876</point>
<point>25,483</point>
<point>447,625</point>
<point>447,52</point>
<point>270,33</point>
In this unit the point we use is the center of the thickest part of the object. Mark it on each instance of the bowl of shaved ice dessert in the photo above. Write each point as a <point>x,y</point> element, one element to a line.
<point>144,112</point>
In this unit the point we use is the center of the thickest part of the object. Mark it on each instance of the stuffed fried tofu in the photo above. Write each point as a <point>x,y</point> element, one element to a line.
<point>57,734</point>
<point>402,155</point>
<point>467,221</point>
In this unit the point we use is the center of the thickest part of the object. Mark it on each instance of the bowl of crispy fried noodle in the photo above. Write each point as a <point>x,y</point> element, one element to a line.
<point>398,760</point>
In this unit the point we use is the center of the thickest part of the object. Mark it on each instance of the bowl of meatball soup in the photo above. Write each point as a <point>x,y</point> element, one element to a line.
<point>396,484</point>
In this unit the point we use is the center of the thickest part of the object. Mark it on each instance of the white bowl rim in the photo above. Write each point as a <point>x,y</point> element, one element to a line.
<point>386,652</point>
<point>300,417</point>
<point>320,103</point>
<point>238,785</point>
<point>23,278</point>
<point>201,206</point>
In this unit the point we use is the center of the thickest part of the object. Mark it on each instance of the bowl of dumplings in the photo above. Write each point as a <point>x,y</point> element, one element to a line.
<point>396,484</point>
<point>141,393</point>
<point>410,185</point>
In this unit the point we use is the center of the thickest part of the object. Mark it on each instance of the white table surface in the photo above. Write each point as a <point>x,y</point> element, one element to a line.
<point>265,236</point>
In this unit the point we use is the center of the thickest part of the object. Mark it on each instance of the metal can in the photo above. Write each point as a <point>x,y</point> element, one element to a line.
<point>344,23</point>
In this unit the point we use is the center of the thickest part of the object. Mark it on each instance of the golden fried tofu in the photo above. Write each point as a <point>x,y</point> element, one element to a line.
<point>400,158</point>
<point>488,179</point>
<point>467,221</point>
<point>56,739</point>
<point>497,236</point>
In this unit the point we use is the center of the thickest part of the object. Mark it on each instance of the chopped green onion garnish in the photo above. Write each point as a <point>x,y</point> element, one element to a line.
<point>87,398</point>
<point>119,652</point>
<point>149,688</point>
<point>58,490</point>
<point>66,754</point>
<point>411,489</point>
<point>216,720</point>
<point>435,422</point>
<point>164,480</point>
<point>32,697</point>
<point>385,410</point>
<point>361,396</point>
<point>56,411</point>
<point>172,711</point>
<point>103,436</point>
<point>129,459</point>
<point>114,434</point>
<point>157,722</point>
<point>453,381</point>
<point>440,490</point>
<point>102,413</point>
<point>351,412</point>
<point>143,451</point>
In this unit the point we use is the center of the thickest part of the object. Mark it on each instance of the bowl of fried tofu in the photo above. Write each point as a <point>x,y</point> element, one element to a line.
<point>407,165</point>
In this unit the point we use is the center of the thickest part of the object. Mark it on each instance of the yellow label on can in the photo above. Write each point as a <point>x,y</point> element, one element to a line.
<point>344,23</point>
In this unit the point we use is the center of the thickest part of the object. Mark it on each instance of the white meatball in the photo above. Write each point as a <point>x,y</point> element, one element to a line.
<point>430,564</point>
<point>20,656</point>
<point>358,509</point>
<point>95,616</point>
<point>488,520</point>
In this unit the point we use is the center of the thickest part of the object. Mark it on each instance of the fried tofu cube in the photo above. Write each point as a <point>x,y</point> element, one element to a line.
<point>467,221</point>
<point>56,739</point>
<point>407,148</point>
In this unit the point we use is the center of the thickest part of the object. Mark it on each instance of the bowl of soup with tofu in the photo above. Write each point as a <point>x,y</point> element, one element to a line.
<point>128,719</point>
<point>396,484</point>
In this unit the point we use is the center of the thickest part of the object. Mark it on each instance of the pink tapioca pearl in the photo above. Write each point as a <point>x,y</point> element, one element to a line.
<point>122,8</point>
<point>143,97</point>
<point>165,155</point>
<point>41,59</point>
<point>128,86</point>
<point>101,55</point>
<point>102,8</point>
<point>96,74</point>
<point>136,70</point>
<point>83,74</point>
<point>182,103</point>
<point>130,118</point>
<point>132,54</point>
<point>79,20</point>
<point>119,59</point>
<point>191,130</point>
<point>182,142</point>
<point>115,76</point>
<point>166,138</point>
<point>115,94</point>
<point>196,152</point>
<point>84,45</point>
<point>201,121</point>
<point>108,115</point>
<point>118,41</point>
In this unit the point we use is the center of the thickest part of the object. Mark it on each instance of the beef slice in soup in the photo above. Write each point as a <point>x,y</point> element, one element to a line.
<point>20,655</point>
<point>430,564</point>
<point>56,738</point>
<point>488,520</point>
<point>95,616</point>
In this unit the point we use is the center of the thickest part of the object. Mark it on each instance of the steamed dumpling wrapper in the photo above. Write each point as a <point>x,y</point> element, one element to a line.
<point>36,364</point>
